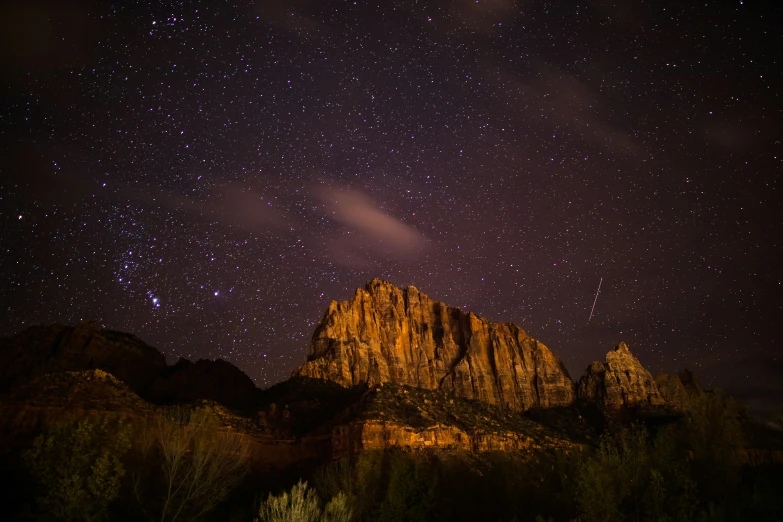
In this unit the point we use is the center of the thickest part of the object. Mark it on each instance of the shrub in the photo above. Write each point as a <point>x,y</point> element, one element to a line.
<point>302,505</point>
<point>615,477</point>
<point>411,494</point>
<point>79,468</point>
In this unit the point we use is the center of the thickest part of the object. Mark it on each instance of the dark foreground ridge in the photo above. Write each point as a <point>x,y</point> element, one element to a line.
<point>40,350</point>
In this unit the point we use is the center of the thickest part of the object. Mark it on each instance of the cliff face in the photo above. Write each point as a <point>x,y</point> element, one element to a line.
<point>618,382</point>
<point>401,336</point>
<point>413,418</point>
<point>349,440</point>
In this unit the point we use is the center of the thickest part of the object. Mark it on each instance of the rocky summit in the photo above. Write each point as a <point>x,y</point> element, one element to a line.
<point>620,381</point>
<point>386,334</point>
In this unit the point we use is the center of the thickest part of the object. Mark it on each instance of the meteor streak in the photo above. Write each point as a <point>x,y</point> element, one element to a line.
<point>595,300</point>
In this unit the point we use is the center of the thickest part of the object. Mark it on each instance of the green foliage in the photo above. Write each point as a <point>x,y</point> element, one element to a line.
<point>338,509</point>
<point>676,471</point>
<point>301,504</point>
<point>411,494</point>
<point>385,486</point>
<point>614,476</point>
<point>685,474</point>
<point>79,468</point>
<point>712,434</point>
<point>360,480</point>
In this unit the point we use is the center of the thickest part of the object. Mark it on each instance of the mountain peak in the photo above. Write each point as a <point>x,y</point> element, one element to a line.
<point>619,381</point>
<point>402,336</point>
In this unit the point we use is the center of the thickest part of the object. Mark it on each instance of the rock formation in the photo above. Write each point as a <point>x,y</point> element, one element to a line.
<point>50,349</point>
<point>419,358</point>
<point>42,350</point>
<point>679,390</point>
<point>350,439</point>
<point>671,389</point>
<point>401,336</point>
<point>413,418</point>
<point>620,381</point>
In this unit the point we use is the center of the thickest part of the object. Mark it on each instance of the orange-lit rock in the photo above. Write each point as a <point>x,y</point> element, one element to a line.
<point>618,382</point>
<point>401,336</point>
<point>352,438</point>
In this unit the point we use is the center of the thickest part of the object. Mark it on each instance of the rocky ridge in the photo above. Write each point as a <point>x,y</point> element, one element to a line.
<point>42,350</point>
<point>413,418</point>
<point>386,334</point>
<point>389,368</point>
<point>620,381</point>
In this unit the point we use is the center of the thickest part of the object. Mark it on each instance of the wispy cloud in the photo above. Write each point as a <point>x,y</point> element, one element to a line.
<point>228,203</point>
<point>559,100</point>
<point>366,231</point>
<point>344,226</point>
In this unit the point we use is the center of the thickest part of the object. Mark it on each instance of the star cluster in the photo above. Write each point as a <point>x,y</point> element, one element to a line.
<point>209,176</point>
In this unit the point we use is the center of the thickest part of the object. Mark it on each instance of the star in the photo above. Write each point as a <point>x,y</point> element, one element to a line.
<point>506,176</point>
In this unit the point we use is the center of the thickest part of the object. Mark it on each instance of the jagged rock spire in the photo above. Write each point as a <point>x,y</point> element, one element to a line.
<point>618,382</point>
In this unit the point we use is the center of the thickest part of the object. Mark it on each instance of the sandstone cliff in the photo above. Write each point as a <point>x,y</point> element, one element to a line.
<point>401,336</point>
<point>618,382</point>
<point>413,418</point>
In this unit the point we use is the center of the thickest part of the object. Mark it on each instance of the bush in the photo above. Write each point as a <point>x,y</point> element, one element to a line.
<point>411,494</point>
<point>79,468</point>
<point>302,505</point>
<point>359,480</point>
<point>615,477</point>
<point>713,436</point>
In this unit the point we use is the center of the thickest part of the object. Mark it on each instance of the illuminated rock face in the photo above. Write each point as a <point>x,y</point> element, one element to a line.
<point>351,439</point>
<point>401,336</point>
<point>620,381</point>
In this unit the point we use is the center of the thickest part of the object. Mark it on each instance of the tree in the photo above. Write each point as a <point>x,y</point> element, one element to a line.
<point>358,479</point>
<point>192,463</point>
<point>713,435</point>
<point>79,468</point>
<point>302,505</point>
<point>411,494</point>
<point>614,480</point>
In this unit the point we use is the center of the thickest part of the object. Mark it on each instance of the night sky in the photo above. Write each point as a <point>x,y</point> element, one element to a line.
<point>209,176</point>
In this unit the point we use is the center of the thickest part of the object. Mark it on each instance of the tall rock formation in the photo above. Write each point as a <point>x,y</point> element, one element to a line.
<point>620,381</point>
<point>401,336</point>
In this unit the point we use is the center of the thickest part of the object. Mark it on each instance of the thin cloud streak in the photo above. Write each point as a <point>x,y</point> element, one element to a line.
<point>366,232</point>
<point>557,99</point>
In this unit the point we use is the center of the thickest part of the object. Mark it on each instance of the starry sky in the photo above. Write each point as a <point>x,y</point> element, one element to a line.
<point>209,175</point>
